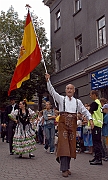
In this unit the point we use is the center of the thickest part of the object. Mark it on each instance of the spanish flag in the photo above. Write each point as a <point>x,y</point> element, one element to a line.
<point>29,56</point>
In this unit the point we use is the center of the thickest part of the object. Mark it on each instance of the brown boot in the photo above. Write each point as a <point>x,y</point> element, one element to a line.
<point>65,173</point>
<point>69,172</point>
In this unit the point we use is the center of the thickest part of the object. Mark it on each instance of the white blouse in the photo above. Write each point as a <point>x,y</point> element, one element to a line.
<point>15,113</point>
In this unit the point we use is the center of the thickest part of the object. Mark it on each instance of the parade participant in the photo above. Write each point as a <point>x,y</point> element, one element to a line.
<point>8,123</point>
<point>87,133</point>
<point>68,108</point>
<point>97,115</point>
<point>24,137</point>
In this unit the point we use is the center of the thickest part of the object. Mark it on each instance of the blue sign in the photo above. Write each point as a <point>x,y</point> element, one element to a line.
<point>99,79</point>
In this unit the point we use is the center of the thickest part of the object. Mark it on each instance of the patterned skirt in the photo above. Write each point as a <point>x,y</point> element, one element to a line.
<point>24,140</point>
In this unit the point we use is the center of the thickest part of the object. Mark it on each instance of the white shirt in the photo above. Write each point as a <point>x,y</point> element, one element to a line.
<point>13,106</point>
<point>15,113</point>
<point>70,105</point>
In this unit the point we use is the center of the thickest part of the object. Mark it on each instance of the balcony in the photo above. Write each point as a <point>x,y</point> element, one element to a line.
<point>48,2</point>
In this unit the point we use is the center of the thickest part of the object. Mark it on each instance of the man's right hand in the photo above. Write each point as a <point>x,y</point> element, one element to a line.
<point>47,76</point>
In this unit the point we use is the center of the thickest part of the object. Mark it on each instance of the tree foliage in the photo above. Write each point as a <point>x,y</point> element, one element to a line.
<point>11,33</point>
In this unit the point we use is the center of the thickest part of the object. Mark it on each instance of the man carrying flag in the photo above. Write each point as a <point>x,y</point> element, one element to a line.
<point>29,56</point>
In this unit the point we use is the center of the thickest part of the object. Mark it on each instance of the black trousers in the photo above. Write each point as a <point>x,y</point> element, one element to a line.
<point>64,163</point>
<point>7,138</point>
<point>11,131</point>
<point>97,144</point>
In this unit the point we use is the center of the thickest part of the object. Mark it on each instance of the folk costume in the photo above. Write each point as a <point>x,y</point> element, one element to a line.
<point>24,137</point>
<point>67,125</point>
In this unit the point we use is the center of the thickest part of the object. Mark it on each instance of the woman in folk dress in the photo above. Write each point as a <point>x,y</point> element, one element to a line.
<point>24,137</point>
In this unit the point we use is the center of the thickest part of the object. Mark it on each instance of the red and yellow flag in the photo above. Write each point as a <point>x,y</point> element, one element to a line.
<point>29,56</point>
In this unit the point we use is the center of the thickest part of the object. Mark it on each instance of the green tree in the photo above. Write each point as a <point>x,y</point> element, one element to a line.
<point>11,33</point>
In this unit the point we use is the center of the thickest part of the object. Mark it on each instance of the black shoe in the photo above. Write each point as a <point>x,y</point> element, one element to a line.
<point>96,162</point>
<point>31,155</point>
<point>20,156</point>
<point>92,160</point>
<point>11,153</point>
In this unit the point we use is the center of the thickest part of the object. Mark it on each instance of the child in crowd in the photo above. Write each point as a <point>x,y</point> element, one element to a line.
<point>87,133</point>
<point>105,131</point>
<point>56,128</point>
<point>87,136</point>
<point>40,127</point>
<point>79,133</point>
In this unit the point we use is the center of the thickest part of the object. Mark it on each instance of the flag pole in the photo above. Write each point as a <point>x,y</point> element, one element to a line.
<point>44,64</point>
<point>46,72</point>
<point>48,79</point>
<point>28,6</point>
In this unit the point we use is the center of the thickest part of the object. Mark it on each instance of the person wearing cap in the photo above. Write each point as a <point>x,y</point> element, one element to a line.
<point>105,131</point>
<point>9,123</point>
<point>97,115</point>
<point>105,108</point>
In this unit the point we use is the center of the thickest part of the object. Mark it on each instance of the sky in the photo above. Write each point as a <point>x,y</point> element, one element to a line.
<point>37,6</point>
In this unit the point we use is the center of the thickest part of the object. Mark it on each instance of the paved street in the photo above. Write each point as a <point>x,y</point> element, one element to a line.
<point>44,167</point>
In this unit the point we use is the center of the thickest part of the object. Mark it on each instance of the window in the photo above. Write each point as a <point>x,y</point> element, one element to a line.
<point>77,5</point>
<point>78,42</point>
<point>101,32</point>
<point>58,24</point>
<point>58,60</point>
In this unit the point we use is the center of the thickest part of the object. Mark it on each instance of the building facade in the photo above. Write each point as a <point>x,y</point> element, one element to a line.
<point>79,42</point>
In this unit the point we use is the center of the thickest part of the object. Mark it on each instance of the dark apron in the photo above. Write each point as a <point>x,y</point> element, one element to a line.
<point>67,135</point>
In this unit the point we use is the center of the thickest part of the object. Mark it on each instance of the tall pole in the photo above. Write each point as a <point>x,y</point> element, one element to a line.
<point>28,6</point>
